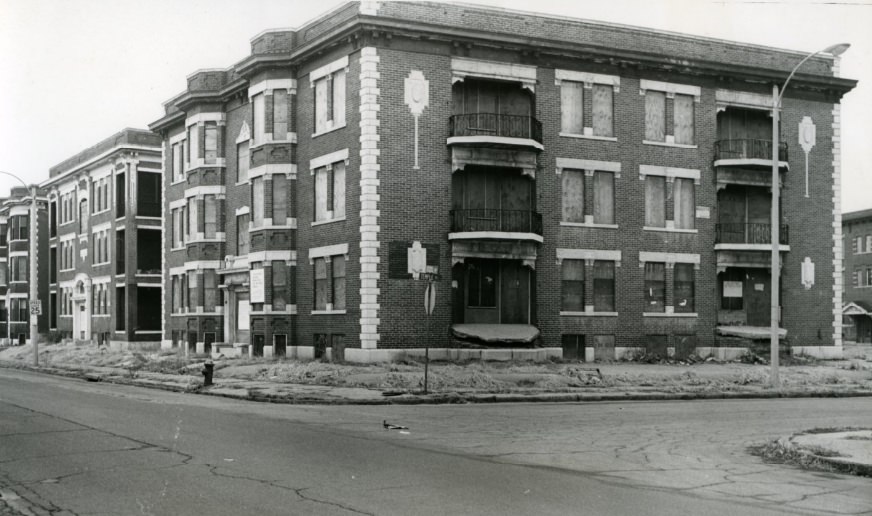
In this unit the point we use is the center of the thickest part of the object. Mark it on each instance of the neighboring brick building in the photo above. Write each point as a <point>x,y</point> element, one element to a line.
<point>857,234</point>
<point>604,187</point>
<point>104,241</point>
<point>15,223</point>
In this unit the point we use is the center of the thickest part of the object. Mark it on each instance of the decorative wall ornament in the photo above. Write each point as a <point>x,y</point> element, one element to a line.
<point>807,139</point>
<point>417,98</point>
<point>807,273</point>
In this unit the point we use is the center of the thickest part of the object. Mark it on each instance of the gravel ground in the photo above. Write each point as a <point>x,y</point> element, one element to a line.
<point>799,375</point>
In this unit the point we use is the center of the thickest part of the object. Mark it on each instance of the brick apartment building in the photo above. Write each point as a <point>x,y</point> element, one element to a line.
<point>595,188</point>
<point>15,223</point>
<point>857,233</point>
<point>104,241</point>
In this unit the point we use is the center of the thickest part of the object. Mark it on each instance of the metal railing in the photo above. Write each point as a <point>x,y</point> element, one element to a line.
<point>515,221</point>
<point>748,149</point>
<point>748,233</point>
<point>495,124</point>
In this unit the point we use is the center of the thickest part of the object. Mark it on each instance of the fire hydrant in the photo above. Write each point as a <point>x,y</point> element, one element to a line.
<point>208,367</point>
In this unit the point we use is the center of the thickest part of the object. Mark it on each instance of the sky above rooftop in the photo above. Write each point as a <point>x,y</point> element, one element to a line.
<point>73,73</point>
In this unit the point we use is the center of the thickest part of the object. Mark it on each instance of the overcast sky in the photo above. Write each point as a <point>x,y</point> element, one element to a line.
<point>73,72</point>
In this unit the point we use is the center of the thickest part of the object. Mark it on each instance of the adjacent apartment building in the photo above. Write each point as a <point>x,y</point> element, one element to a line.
<point>578,188</point>
<point>104,240</point>
<point>15,225</point>
<point>857,232</point>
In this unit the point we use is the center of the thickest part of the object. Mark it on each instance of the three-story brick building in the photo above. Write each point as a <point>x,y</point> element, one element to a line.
<point>586,188</point>
<point>104,240</point>
<point>15,275</point>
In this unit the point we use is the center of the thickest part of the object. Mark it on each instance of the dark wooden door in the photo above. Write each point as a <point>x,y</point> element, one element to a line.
<point>514,293</point>
<point>757,297</point>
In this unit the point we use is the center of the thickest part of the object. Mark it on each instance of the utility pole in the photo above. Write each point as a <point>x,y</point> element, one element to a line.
<point>34,292</point>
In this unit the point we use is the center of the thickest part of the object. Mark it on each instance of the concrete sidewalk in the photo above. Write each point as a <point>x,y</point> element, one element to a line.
<point>848,451</point>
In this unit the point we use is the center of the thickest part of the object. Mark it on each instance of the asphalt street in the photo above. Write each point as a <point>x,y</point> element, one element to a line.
<point>71,447</point>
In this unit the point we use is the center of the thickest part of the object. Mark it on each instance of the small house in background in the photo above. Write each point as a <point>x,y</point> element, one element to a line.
<point>857,311</point>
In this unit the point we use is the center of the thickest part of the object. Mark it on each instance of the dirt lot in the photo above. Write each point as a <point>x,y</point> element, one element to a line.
<point>798,375</point>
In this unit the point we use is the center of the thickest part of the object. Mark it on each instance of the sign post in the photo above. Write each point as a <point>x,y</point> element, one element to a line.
<point>418,268</point>
<point>429,304</point>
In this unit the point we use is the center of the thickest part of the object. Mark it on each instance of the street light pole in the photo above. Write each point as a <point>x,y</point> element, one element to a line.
<point>775,263</point>
<point>34,293</point>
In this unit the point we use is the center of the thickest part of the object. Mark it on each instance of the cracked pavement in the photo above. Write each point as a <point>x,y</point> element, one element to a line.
<point>74,448</point>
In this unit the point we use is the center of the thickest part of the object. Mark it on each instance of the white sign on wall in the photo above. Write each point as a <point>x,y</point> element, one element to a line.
<point>732,289</point>
<point>257,285</point>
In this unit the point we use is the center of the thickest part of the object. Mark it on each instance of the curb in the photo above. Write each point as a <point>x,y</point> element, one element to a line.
<point>838,464</point>
<point>442,398</point>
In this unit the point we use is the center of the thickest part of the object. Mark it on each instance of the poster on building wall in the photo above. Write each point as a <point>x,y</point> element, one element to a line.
<point>732,289</point>
<point>257,282</point>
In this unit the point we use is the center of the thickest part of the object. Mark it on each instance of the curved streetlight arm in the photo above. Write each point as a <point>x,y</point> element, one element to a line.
<point>10,174</point>
<point>835,50</point>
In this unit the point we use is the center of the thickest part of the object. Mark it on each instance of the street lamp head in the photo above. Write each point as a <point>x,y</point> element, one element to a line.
<point>837,50</point>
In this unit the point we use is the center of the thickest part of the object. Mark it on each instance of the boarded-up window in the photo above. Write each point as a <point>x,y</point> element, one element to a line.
<point>603,120</point>
<point>178,162</point>
<point>258,122</point>
<point>655,116</point>
<point>868,243</point>
<point>257,206</point>
<point>242,234</point>
<point>338,282</point>
<point>603,286</point>
<point>858,245</point>
<point>338,98</point>
<point>320,284</point>
<point>655,287</point>
<point>192,289</point>
<point>655,201</point>
<point>572,286</point>
<point>279,285</point>
<point>280,199</point>
<point>571,107</point>
<point>684,210</point>
<point>193,142</point>
<point>210,152</point>
<point>683,291</point>
<point>280,115</point>
<point>330,102</point>
<point>604,347</point>
<point>192,218</point>
<point>321,105</point>
<point>242,161</point>
<point>573,195</point>
<point>683,112</point>
<point>603,197</point>
<point>211,216</point>
<point>321,177</point>
<point>338,203</point>
<point>177,294</point>
<point>210,290</point>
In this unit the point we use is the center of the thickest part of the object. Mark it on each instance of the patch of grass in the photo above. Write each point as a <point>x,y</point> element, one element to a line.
<point>812,458</point>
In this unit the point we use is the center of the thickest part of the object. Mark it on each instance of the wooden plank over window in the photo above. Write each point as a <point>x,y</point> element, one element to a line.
<point>655,201</point>
<point>684,210</point>
<point>655,116</point>
<point>603,120</point>
<point>573,195</point>
<point>603,197</point>
<point>571,107</point>
<point>684,124</point>
<point>572,285</point>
